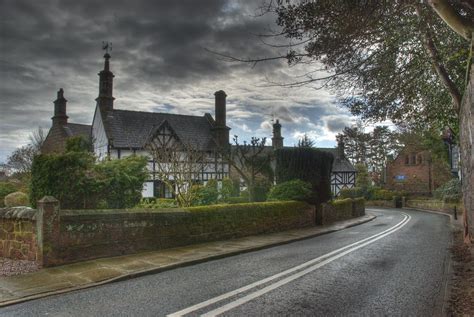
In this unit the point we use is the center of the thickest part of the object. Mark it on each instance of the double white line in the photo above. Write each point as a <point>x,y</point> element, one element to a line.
<point>298,271</point>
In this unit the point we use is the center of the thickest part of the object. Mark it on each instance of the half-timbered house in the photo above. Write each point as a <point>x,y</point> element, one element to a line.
<point>343,174</point>
<point>117,133</point>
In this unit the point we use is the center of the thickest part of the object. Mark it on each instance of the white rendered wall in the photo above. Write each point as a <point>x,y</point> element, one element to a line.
<point>147,189</point>
<point>99,137</point>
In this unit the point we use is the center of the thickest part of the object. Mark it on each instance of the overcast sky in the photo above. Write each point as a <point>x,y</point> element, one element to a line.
<point>161,63</point>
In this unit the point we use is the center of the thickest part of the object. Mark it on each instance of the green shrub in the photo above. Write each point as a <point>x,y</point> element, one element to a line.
<point>362,176</point>
<point>68,177</point>
<point>261,189</point>
<point>359,200</point>
<point>254,208</point>
<point>205,195</point>
<point>120,182</point>
<point>309,165</point>
<point>157,203</point>
<point>450,191</point>
<point>351,193</point>
<point>16,199</point>
<point>292,190</point>
<point>237,200</point>
<point>78,144</point>
<point>227,190</point>
<point>340,202</point>
<point>5,189</point>
<point>77,182</point>
<point>384,194</point>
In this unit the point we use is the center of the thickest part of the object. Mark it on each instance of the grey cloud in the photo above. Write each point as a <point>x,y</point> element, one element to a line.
<point>337,124</point>
<point>160,58</point>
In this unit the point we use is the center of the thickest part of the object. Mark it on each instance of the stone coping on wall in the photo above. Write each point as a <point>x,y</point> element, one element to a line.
<point>81,212</point>
<point>18,213</point>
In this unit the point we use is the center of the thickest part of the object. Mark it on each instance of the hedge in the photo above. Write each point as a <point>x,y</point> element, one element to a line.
<point>309,165</point>
<point>5,189</point>
<point>237,200</point>
<point>292,190</point>
<point>258,207</point>
<point>16,199</point>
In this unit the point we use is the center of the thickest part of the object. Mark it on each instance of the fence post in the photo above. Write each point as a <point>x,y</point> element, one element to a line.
<point>47,223</point>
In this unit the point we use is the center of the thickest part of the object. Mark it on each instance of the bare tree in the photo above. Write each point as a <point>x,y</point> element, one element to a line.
<point>249,160</point>
<point>19,162</point>
<point>37,138</point>
<point>179,165</point>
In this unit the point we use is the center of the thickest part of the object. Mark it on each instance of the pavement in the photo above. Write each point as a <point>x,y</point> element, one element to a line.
<point>71,277</point>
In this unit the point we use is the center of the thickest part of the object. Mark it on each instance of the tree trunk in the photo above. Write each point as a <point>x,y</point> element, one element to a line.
<point>251,190</point>
<point>466,136</point>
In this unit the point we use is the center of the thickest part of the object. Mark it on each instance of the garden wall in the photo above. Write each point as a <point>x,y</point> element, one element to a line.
<point>380,203</point>
<point>53,237</point>
<point>436,205</point>
<point>341,210</point>
<point>102,233</point>
<point>18,233</point>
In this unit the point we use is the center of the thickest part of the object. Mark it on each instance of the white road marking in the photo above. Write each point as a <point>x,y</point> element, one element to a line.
<point>323,260</point>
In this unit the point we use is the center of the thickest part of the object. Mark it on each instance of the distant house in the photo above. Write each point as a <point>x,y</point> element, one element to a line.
<point>343,172</point>
<point>119,133</point>
<point>61,130</point>
<point>414,171</point>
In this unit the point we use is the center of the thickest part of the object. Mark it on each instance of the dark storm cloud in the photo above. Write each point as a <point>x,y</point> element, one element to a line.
<point>337,124</point>
<point>161,58</point>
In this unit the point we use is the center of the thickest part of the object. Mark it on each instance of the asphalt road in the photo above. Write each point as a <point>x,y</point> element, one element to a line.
<point>393,265</point>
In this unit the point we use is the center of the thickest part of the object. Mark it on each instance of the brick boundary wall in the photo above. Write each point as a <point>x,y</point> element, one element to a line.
<point>93,234</point>
<point>53,237</point>
<point>341,210</point>
<point>18,239</point>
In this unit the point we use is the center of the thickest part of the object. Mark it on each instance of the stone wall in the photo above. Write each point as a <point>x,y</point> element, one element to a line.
<point>18,238</point>
<point>436,205</point>
<point>341,210</point>
<point>380,203</point>
<point>88,234</point>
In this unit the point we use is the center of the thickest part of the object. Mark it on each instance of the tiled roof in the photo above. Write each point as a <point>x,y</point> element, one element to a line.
<point>131,129</point>
<point>339,164</point>
<point>75,129</point>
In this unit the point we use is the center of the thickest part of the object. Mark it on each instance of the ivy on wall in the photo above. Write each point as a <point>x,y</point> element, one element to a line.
<point>309,165</point>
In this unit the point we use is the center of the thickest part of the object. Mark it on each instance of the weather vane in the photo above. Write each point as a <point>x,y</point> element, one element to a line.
<point>107,46</point>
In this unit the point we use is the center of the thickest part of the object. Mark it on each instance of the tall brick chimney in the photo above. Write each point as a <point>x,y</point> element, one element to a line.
<point>340,150</point>
<point>220,108</point>
<point>221,131</point>
<point>277,139</point>
<point>60,117</point>
<point>105,101</point>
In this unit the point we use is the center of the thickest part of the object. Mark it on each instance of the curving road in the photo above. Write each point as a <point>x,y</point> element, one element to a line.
<point>393,265</point>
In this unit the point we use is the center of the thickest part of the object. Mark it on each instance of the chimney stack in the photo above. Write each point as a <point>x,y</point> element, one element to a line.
<point>277,140</point>
<point>105,100</point>
<point>220,129</point>
<point>60,117</point>
<point>220,108</point>
<point>340,150</point>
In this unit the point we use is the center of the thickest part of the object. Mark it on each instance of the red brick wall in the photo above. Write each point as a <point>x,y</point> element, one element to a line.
<point>18,234</point>
<point>55,141</point>
<point>89,234</point>
<point>422,174</point>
